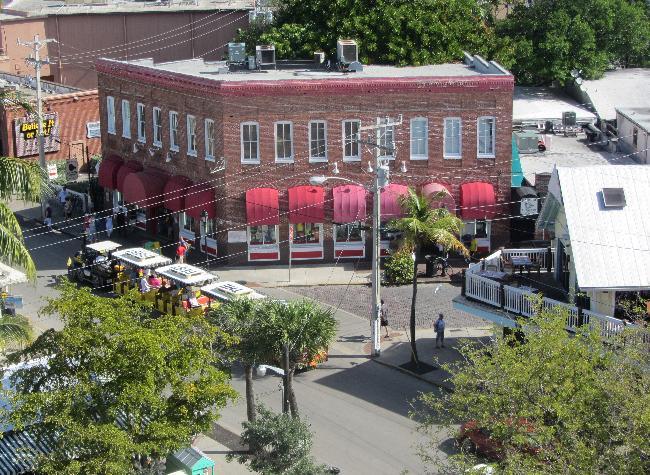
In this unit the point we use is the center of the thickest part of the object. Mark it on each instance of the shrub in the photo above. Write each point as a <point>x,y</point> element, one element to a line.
<point>399,268</point>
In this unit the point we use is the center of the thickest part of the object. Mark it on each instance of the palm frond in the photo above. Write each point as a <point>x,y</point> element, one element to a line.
<point>23,179</point>
<point>12,247</point>
<point>14,329</point>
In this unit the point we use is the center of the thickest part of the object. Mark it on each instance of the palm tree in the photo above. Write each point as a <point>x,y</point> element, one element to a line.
<point>14,329</point>
<point>24,180</point>
<point>421,225</point>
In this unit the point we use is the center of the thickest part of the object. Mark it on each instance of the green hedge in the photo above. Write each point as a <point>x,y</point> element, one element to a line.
<point>398,269</point>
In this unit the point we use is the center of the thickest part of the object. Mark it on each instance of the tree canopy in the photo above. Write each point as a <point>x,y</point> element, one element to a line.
<point>554,402</point>
<point>117,389</point>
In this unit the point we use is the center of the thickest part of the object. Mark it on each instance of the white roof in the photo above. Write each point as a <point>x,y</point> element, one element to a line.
<point>227,290</point>
<point>141,257</point>
<point>10,276</point>
<point>610,247</point>
<point>537,104</point>
<point>104,246</point>
<point>186,274</point>
<point>620,88</point>
<point>639,115</point>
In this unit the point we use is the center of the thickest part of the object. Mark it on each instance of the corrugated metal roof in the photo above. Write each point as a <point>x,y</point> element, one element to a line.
<point>19,450</point>
<point>610,247</point>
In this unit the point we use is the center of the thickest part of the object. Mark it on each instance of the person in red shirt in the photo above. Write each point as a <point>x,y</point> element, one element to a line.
<point>180,252</point>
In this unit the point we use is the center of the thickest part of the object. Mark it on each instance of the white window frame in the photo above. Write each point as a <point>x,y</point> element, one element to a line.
<point>126,119</point>
<point>156,118</point>
<point>290,158</point>
<point>209,141</point>
<point>185,233</point>
<point>419,156</point>
<point>270,248</point>
<point>492,154</point>
<point>448,155</point>
<point>357,247</point>
<point>382,131</point>
<point>110,114</point>
<point>312,158</point>
<point>211,239</point>
<point>173,132</point>
<point>255,160</point>
<point>141,120</point>
<point>349,141</point>
<point>190,127</point>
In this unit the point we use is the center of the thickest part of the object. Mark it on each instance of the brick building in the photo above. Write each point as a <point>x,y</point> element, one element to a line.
<point>190,136</point>
<point>71,119</point>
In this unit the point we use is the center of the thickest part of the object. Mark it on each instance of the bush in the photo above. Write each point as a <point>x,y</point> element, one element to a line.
<point>399,268</point>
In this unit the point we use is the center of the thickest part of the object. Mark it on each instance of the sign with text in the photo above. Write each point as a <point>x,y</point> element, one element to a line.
<point>93,130</point>
<point>26,134</point>
<point>52,171</point>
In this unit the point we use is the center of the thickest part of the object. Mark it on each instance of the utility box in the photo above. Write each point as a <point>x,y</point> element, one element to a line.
<point>265,56</point>
<point>347,51</point>
<point>527,141</point>
<point>568,119</point>
<point>237,52</point>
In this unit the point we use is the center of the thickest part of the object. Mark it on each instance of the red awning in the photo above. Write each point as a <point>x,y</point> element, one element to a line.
<point>306,204</point>
<point>198,199</point>
<point>107,176</point>
<point>477,201</point>
<point>431,189</point>
<point>128,167</point>
<point>349,204</point>
<point>262,206</point>
<point>145,188</point>
<point>175,190</point>
<point>390,197</point>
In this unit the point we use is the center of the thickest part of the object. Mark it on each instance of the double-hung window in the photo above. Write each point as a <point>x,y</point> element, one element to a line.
<point>486,128</point>
<point>250,142</point>
<point>173,131</point>
<point>419,138</point>
<point>191,135</point>
<point>283,142</point>
<point>126,119</point>
<point>209,139</point>
<point>157,126</point>
<point>317,141</point>
<point>386,147</point>
<point>452,138</point>
<point>142,134</point>
<point>351,151</point>
<point>110,114</point>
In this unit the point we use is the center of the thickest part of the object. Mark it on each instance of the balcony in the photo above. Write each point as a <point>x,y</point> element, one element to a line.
<point>507,284</point>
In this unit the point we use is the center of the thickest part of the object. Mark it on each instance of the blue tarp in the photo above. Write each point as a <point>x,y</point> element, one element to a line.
<point>517,171</point>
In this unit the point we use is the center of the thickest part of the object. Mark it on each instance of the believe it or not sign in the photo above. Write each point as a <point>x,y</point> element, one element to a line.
<point>26,134</point>
<point>93,130</point>
<point>52,171</point>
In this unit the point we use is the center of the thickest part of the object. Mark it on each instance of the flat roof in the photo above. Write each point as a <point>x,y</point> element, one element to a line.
<point>32,8</point>
<point>639,115</point>
<point>25,86</point>
<point>619,88</point>
<point>538,104</point>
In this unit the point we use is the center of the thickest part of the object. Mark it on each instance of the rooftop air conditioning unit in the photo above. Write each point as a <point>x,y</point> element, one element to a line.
<point>347,51</point>
<point>265,56</point>
<point>568,119</point>
<point>237,52</point>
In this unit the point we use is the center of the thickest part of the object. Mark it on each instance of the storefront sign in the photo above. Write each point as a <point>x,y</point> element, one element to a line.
<point>52,171</point>
<point>26,134</point>
<point>237,236</point>
<point>93,130</point>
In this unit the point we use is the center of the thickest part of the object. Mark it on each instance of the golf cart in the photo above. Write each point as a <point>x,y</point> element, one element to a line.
<point>93,264</point>
<point>130,261</point>
<point>184,296</point>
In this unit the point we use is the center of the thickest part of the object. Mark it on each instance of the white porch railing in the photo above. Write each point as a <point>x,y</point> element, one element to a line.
<point>518,301</point>
<point>483,289</point>
<point>540,256</point>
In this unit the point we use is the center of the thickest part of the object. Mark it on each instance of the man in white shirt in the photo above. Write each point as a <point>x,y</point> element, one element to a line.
<point>144,285</point>
<point>62,197</point>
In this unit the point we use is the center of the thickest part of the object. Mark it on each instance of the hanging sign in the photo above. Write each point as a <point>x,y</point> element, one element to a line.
<point>26,134</point>
<point>52,171</point>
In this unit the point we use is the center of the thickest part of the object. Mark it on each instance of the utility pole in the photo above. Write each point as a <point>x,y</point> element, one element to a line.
<point>36,61</point>
<point>285,378</point>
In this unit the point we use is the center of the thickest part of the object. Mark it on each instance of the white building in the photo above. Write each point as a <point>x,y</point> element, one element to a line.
<point>633,125</point>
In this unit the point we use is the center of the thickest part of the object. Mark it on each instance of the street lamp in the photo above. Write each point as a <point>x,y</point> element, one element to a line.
<point>204,222</point>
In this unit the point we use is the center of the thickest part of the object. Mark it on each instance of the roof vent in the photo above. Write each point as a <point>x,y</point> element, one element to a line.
<point>265,56</point>
<point>347,51</point>
<point>237,52</point>
<point>614,197</point>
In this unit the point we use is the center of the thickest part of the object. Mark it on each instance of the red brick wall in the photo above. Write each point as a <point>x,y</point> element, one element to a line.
<point>75,110</point>
<point>229,111</point>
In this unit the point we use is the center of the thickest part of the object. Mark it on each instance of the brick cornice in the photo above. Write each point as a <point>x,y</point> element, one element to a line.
<point>293,87</point>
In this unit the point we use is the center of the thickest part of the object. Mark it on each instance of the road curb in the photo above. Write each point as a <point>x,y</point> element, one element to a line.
<point>444,386</point>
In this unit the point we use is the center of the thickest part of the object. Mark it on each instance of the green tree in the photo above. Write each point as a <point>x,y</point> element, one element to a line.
<point>554,402</point>
<point>120,390</point>
<point>424,224</point>
<point>302,326</point>
<point>240,318</point>
<point>24,180</point>
<point>284,443</point>
<point>399,267</point>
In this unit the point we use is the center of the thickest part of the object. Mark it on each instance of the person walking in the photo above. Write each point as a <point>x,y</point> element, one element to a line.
<point>181,250</point>
<point>92,228</point>
<point>439,328</point>
<point>109,226</point>
<point>63,197</point>
<point>67,208</point>
<point>383,316</point>
<point>48,217</point>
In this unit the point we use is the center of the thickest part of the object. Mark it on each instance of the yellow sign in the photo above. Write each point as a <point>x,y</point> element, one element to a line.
<point>30,129</point>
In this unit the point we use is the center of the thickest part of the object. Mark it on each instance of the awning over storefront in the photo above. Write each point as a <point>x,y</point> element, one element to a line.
<point>128,167</point>
<point>349,203</point>
<point>145,188</point>
<point>477,201</point>
<point>390,201</point>
<point>432,189</point>
<point>107,176</point>
<point>306,204</point>
<point>201,198</point>
<point>176,188</point>
<point>262,207</point>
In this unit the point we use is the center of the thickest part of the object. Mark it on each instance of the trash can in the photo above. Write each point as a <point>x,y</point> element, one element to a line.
<point>429,272</point>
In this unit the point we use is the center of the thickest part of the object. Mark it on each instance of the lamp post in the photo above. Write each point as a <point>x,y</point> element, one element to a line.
<point>204,223</point>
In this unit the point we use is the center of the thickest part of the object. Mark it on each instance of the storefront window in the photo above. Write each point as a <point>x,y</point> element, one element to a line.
<point>210,228</point>
<point>187,222</point>
<point>260,235</point>
<point>478,228</point>
<point>481,229</point>
<point>349,232</point>
<point>306,233</point>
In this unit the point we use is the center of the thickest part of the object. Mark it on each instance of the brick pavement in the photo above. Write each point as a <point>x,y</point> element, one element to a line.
<point>356,299</point>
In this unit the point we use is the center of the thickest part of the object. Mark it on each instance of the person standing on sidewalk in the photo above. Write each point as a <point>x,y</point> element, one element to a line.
<point>109,226</point>
<point>439,328</point>
<point>383,315</point>
<point>180,251</point>
<point>63,198</point>
<point>48,217</point>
